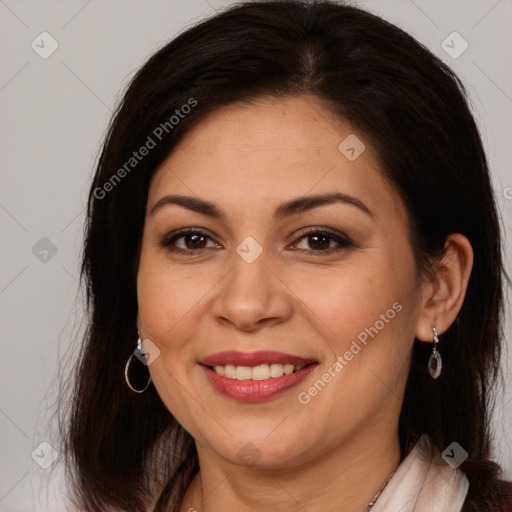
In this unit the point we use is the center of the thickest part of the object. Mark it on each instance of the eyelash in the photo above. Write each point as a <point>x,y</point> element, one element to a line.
<point>344,241</point>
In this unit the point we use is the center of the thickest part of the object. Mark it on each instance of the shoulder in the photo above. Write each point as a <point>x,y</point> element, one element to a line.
<point>495,496</point>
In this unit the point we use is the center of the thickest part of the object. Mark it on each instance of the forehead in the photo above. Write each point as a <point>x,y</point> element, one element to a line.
<point>269,150</point>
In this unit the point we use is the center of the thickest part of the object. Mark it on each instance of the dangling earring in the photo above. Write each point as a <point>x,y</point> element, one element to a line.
<point>435,363</point>
<point>140,355</point>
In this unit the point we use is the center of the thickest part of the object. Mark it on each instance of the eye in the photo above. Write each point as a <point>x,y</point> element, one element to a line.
<point>188,240</point>
<point>321,241</point>
<point>313,240</point>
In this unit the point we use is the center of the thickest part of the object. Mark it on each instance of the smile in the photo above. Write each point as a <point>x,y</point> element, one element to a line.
<point>255,376</point>
<point>260,372</point>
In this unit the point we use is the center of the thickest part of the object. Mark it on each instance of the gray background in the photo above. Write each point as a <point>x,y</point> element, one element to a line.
<point>54,114</point>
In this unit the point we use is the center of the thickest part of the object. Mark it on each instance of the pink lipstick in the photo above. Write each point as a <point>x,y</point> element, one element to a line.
<point>255,376</point>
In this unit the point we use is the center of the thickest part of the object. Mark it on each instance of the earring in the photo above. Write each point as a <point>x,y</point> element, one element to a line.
<point>137,352</point>
<point>435,364</point>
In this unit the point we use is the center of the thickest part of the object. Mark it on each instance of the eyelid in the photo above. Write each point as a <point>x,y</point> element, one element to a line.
<point>319,229</point>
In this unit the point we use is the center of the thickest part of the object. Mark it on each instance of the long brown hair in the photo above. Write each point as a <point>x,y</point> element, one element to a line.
<point>122,447</point>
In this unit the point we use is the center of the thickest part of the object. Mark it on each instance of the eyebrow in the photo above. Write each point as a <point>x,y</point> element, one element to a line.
<point>295,206</point>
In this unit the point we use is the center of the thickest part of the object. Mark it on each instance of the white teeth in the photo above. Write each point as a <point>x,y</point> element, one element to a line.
<point>243,372</point>
<point>276,370</point>
<point>287,369</point>
<point>261,372</point>
<point>230,371</point>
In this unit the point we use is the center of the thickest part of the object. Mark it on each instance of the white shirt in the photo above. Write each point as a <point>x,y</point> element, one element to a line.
<point>424,482</point>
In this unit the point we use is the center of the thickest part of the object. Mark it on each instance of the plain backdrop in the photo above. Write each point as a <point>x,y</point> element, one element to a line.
<point>54,114</point>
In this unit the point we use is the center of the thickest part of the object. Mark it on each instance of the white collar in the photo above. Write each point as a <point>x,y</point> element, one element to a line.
<point>423,482</point>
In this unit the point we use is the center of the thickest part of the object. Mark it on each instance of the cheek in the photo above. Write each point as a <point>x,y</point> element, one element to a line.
<point>173,302</point>
<point>343,302</point>
<point>163,303</point>
<point>366,317</point>
<point>166,307</point>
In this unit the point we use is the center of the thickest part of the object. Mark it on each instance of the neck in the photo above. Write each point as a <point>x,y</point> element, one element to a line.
<point>343,479</point>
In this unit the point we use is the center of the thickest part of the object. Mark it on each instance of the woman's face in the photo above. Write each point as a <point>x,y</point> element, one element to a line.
<point>271,277</point>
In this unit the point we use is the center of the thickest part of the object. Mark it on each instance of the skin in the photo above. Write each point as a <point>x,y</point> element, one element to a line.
<point>334,452</point>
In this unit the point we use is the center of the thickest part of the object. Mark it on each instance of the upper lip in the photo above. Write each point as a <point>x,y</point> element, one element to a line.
<point>254,358</point>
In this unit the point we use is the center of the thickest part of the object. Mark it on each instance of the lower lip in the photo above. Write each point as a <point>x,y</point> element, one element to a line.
<point>256,390</point>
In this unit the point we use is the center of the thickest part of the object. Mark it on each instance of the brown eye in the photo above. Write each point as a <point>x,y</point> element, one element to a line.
<point>323,242</point>
<point>319,241</point>
<point>194,241</point>
<point>188,240</point>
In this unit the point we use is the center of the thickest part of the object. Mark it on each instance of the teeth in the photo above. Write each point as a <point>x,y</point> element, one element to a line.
<point>261,372</point>
<point>287,369</point>
<point>230,371</point>
<point>221,370</point>
<point>276,370</point>
<point>243,373</point>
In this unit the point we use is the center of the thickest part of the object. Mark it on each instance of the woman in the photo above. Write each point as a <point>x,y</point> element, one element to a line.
<point>292,229</point>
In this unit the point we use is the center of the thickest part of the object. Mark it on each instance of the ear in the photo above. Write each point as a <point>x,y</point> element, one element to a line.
<point>443,293</point>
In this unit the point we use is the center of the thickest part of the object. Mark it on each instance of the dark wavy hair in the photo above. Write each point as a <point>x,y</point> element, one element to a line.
<point>124,449</point>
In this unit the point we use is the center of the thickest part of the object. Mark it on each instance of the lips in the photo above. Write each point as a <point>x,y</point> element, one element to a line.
<point>255,376</point>
<point>254,358</point>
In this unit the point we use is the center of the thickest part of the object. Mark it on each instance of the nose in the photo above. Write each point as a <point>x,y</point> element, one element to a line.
<point>252,295</point>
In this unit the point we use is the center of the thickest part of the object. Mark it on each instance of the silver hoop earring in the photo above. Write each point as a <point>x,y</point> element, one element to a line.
<point>137,352</point>
<point>435,364</point>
